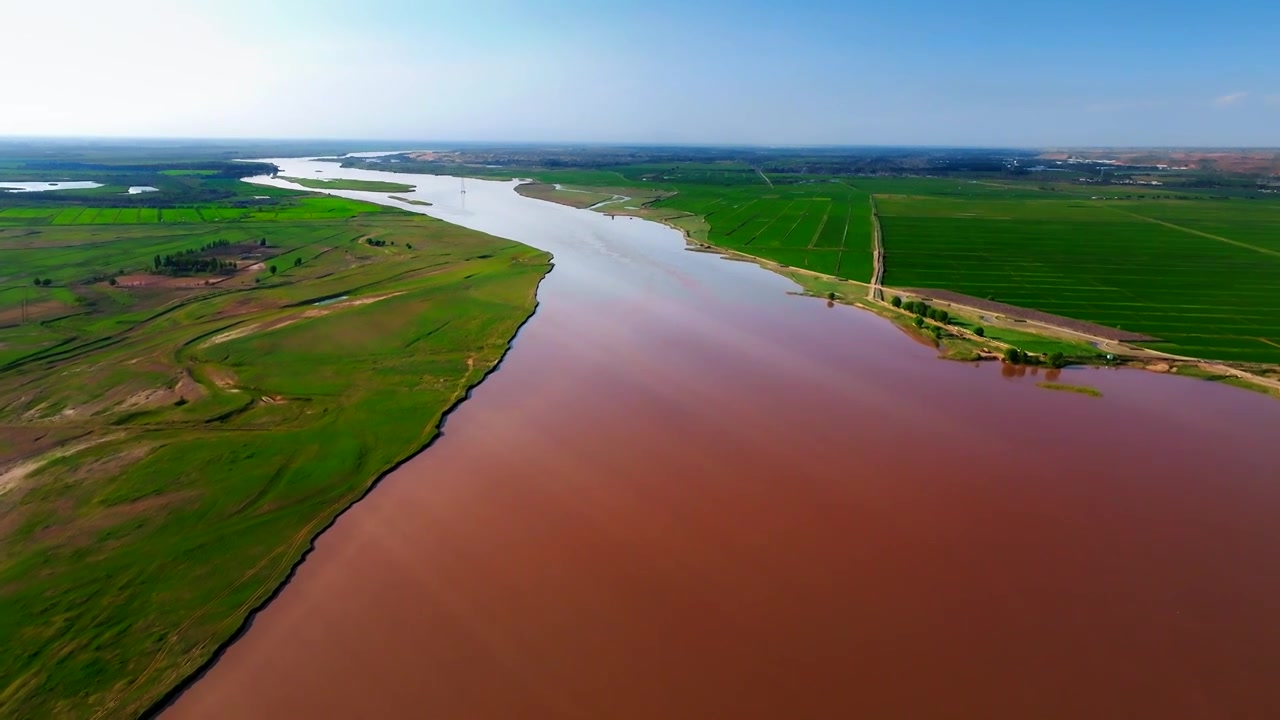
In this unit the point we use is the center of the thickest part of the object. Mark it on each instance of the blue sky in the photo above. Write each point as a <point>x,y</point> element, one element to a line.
<point>921,72</point>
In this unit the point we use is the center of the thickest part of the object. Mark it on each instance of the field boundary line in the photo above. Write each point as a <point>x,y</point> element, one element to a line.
<point>1201,233</point>
<point>769,224</point>
<point>825,216</point>
<point>876,291</point>
<point>793,227</point>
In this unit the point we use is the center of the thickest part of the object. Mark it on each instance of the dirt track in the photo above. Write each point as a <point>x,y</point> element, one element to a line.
<point>1044,318</point>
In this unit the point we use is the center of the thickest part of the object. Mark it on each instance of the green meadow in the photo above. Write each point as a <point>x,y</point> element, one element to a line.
<point>170,447</point>
<point>344,184</point>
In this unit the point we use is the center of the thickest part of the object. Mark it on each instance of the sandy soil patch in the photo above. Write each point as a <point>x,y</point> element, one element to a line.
<point>15,475</point>
<point>222,377</point>
<point>353,302</point>
<point>35,311</point>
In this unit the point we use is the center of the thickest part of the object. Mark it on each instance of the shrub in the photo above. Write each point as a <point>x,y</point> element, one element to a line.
<point>980,331</point>
<point>896,302</point>
<point>919,321</point>
<point>1013,356</point>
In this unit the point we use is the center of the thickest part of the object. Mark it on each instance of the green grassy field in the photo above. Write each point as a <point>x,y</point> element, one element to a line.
<point>822,225</point>
<point>169,448</point>
<point>343,184</point>
<point>1198,274</point>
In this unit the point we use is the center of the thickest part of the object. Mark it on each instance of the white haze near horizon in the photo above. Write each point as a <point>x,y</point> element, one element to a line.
<point>500,70</point>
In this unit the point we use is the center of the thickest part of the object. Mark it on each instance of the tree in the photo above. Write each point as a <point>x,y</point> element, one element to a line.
<point>980,331</point>
<point>35,281</point>
<point>46,282</point>
<point>112,282</point>
<point>944,317</point>
<point>272,269</point>
<point>262,242</point>
<point>896,302</point>
<point>297,261</point>
<point>408,246</point>
<point>919,321</point>
<point>1013,356</point>
<point>1057,360</point>
<point>831,296</point>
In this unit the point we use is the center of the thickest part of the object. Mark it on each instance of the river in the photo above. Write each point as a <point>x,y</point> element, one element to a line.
<point>688,493</point>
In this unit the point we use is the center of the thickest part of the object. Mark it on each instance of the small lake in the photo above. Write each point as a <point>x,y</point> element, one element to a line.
<point>17,187</point>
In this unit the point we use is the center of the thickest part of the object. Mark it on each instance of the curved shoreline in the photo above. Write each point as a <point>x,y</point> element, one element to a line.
<point>172,695</point>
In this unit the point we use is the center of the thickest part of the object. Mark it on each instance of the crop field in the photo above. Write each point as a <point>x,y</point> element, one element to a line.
<point>169,448</point>
<point>1198,274</point>
<point>820,226</point>
<point>304,209</point>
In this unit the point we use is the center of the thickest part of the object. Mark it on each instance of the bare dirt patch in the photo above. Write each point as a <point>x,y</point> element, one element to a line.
<point>45,310</point>
<point>1020,313</point>
<point>16,475</point>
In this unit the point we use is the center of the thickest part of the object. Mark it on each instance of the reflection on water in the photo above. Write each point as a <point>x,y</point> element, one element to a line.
<point>689,494</point>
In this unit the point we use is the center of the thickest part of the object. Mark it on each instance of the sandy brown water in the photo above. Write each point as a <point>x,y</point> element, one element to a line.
<point>688,494</point>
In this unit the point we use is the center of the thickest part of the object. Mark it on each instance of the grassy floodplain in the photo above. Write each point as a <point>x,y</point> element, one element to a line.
<point>170,447</point>
<point>345,184</point>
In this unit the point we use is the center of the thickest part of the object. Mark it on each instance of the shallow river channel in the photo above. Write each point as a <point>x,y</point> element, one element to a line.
<point>690,493</point>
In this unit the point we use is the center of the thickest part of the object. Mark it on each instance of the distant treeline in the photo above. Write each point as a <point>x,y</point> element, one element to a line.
<point>232,170</point>
<point>188,262</point>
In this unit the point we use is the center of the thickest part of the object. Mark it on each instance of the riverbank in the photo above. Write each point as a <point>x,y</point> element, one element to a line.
<point>957,339</point>
<point>160,481</point>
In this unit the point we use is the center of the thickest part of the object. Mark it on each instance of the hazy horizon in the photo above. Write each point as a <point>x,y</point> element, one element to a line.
<point>816,74</point>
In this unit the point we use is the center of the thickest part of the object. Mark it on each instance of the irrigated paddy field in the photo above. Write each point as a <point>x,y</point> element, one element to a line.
<point>169,444</point>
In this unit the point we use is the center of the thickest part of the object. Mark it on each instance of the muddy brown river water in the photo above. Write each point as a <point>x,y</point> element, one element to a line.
<point>690,494</point>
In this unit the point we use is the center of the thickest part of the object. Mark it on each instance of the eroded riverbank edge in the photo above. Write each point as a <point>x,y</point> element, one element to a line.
<point>157,708</point>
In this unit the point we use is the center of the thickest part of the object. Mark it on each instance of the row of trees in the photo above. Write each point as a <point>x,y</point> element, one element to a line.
<point>41,282</point>
<point>194,261</point>
<point>922,309</point>
<point>1015,356</point>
